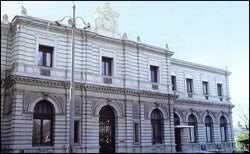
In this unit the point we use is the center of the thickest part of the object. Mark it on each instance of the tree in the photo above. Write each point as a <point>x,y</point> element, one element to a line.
<point>242,112</point>
<point>243,135</point>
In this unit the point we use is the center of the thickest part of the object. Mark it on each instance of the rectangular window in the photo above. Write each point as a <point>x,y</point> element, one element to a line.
<point>107,66</point>
<point>76,131</point>
<point>190,85</point>
<point>173,81</point>
<point>205,87</point>
<point>219,89</point>
<point>45,56</point>
<point>136,133</point>
<point>154,73</point>
<point>36,139</point>
<point>42,132</point>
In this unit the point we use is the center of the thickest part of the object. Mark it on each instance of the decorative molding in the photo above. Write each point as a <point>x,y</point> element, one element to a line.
<point>31,98</point>
<point>197,102</point>
<point>135,109</point>
<point>199,66</point>
<point>149,107</point>
<point>118,107</point>
<point>78,104</point>
<point>89,87</point>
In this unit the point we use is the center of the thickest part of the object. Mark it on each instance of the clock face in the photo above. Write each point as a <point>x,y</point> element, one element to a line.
<point>107,23</point>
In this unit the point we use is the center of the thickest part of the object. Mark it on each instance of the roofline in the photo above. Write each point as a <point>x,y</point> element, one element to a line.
<point>94,34</point>
<point>199,66</point>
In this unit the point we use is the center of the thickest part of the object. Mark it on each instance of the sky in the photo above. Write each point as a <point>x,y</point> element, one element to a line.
<point>209,33</point>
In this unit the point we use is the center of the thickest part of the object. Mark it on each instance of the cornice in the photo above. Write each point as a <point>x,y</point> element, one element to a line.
<point>36,81</point>
<point>199,66</point>
<point>38,22</point>
<point>201,103</point>
<point>88,87</point>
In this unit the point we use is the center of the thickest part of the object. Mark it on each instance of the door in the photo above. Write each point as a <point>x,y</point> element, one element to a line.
<point>177,132</point>
<point>178,139</point>
<point>107,130</point>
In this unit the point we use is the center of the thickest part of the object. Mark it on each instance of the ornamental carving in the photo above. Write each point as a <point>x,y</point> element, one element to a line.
<point>117,105</point>
<point>149,106</point>
<point>78,103</point>
<point>181,113</point>
<point>135,109</point>
<point>30,97</point>
<point>82,86</point>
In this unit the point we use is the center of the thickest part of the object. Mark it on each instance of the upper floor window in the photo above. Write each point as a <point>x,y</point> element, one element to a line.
<point>205,88</point>
<point>173,81</point>
<point>189,85</point>
<point>208,125</point>
<point>107,66</point>
<point>45,56</point>
<point>43,124</point>
<point>154,73</point>
<point>219,89</point>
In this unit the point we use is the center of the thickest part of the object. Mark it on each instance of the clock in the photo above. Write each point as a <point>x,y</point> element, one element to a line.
<point>107,23</point>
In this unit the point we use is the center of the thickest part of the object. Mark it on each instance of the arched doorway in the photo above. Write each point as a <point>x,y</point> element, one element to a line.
<point>43,119</point>
<point>177,133</point>
<point>157,126</point>
<point>107,130</point>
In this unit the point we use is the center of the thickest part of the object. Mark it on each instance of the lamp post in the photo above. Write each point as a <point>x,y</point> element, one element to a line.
<point>72,86</point>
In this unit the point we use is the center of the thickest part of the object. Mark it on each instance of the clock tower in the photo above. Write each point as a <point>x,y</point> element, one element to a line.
<point>106,21</point>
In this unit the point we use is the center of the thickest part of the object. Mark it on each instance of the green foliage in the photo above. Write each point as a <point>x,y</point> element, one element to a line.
<point>243,135</point>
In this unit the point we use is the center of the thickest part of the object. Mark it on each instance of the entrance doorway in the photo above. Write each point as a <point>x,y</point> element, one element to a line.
<point>107,130</point>
<point>177,133</point>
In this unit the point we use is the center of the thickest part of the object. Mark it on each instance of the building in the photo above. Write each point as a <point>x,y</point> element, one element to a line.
<point>129,96</point>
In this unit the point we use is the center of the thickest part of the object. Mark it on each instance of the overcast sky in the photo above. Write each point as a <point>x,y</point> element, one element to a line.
<point>209,33</point>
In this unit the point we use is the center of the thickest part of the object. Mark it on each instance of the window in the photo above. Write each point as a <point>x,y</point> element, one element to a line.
<point>136,133</point>
<point>154,73</point>
<point>219,89</point>
<point>189,85</point>
<point>157,126</point>
<point>176,119</point>
<point>107,66</point>
<point>45,56</point>
<point>208,126</point>
<point>173,81</point>
<point>223,128</point>
<point>205,88</point>
<point>76,131</point>
<point>192,121</point>
<point>43,124</point>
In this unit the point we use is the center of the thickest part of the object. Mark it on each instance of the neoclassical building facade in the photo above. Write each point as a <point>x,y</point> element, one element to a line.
<point>129,96</point>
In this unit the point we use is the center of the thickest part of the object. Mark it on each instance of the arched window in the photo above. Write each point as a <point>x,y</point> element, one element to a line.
<point>176,119</point>
<point>209,127</point>
<point>192,121</point>
<point>43,123</point>
<point>223,129</point>
<point>157,126</point>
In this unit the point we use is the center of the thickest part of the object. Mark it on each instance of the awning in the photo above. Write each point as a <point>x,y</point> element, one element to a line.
<point>184,126</point>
